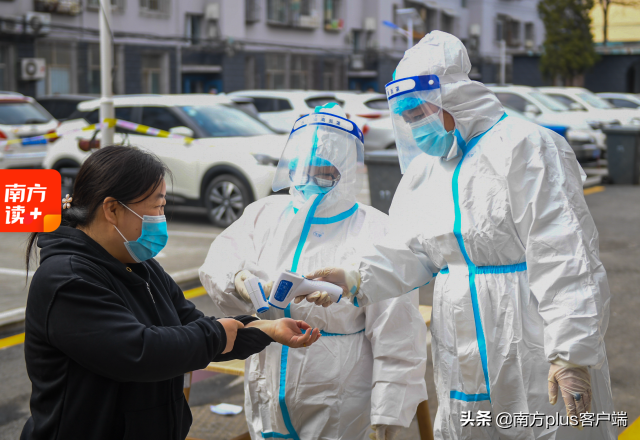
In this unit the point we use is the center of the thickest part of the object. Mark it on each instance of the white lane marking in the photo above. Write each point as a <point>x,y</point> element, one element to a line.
<point>192,234</point>
<point>18,272</point>
<point>11,316</point>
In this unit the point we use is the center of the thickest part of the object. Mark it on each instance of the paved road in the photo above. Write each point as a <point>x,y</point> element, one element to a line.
<point>616,214</point>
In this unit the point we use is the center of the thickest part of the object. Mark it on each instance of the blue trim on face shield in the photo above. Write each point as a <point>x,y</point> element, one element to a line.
<point>423,82</point>
<point>328,120</point>
<point>472,268</point>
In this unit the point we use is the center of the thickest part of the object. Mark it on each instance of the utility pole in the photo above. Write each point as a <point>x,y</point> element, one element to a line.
<point>410,13</point>
<point>106,81</point>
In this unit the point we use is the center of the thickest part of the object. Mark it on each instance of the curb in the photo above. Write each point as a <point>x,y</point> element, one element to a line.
<point>15,317</point>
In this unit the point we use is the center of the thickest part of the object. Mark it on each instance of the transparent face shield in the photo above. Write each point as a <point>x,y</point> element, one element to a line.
<point>323,154</point>
<point>416,113</point>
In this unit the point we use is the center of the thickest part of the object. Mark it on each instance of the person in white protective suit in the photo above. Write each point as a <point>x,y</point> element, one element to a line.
<point>494,207</point>
<point>368,367</point>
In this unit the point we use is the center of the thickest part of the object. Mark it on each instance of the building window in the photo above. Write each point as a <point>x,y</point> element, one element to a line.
<point>3,68</point>
<point>155,6</point>
<point>278,11</point>
<point>152,74</point>
<point>529,35</point>
<point>275,75</point>
<point>330,75</point>
<point>94,5</point>
<point>513,33</point>
<point>300,72</point>
<point>332,20</point>
<point>252,10</point>
<point>58,57</point>
<point>447,23</point>
<point>500,33</point>
<point>193,28</point>
<point>431,21</point>
<point>94,69</point>
<point>297,13</point>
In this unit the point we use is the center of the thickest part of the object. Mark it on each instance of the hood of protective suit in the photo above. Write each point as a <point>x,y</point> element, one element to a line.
<point>338,148</point>
<point>474,108</point>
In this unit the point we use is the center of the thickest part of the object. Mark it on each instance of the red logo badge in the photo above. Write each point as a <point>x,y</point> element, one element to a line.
<point>31,200</point>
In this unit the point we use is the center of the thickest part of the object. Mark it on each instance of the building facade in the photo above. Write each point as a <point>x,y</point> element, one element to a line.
<point>186,46</point>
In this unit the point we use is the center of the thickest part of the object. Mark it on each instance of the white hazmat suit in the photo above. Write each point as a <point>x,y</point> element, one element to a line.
<point>368,367</point>
<point>503,222</point>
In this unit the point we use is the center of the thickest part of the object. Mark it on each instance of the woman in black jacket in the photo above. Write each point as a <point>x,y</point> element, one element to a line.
<point>109,334</point>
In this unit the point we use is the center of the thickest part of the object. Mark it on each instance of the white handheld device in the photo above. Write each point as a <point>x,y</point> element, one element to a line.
<point>254,287</point>
<point>290,285</point>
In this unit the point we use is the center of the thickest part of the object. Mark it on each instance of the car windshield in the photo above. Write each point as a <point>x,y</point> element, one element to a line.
<point>594,101</point>
<point>378,104</point>
<point>322,100</point>
<point>549,102</point>
<point>224,121</point>
<point>18,113</point>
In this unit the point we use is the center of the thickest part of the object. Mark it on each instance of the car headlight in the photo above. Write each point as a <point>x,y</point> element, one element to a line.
<point>265,159</point>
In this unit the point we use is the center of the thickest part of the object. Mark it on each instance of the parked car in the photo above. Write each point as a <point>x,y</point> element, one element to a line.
<point>229,165</point>
<point>621,100</point>
<point>63,106</point>
<point>22,117</point>
<point>583,133</point>
<point>365,109</point>
<point>281,108</point>
<point>582,100</point>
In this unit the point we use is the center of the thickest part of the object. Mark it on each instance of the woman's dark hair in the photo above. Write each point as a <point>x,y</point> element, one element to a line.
<point>124,173</point>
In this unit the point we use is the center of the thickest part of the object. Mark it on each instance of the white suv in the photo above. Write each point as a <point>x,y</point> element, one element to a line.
<point>583,134</point>
<point>281,108</point>
<point>230,163</point>
<point>23,117</point>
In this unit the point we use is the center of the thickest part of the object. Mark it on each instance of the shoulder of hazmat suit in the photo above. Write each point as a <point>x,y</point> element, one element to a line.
<point>368,367</point>
<point>503,222</point>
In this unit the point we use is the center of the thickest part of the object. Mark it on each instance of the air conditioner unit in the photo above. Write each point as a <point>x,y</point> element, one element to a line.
<point>32,69</point>
<point>212,12</point>
<point>38,23</point>
<point>370,24</point>
<point>12,25</point>
<point>357,61</point>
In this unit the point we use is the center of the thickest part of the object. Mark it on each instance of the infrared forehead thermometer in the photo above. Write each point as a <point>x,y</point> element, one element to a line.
<point>290,285</point>
<point>254,288</point>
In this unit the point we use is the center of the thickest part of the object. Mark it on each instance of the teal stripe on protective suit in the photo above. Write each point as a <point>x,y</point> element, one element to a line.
<point>287,313</point>
<point>482,345</point>
<point>459,395</point>
<point>274,435</point>
<point>305,232</point>
<point>284,355</point>
<point>507,268</point>
<point>336,218</point>
<point>323,333</point>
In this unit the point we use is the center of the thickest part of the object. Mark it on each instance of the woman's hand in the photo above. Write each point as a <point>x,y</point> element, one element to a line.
<point>231,327</point>
<point>287,331</point>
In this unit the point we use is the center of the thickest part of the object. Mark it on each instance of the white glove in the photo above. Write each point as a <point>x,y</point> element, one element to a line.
<point>346,277</point>
<point>241,289</point>
<point>384,432</point>
<point>575,384</point>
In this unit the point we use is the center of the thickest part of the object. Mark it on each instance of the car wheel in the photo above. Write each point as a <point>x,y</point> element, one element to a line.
<point>225,199</point>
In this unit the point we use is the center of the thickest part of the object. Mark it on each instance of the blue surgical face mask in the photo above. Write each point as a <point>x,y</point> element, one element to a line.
<point>152,240</point>
<point>431,136</point>
<point>310,190</point>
